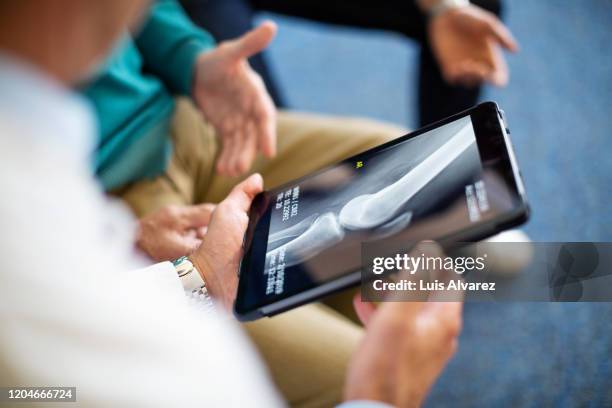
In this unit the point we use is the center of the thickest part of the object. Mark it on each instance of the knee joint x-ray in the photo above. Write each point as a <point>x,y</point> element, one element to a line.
<point>386,210</point>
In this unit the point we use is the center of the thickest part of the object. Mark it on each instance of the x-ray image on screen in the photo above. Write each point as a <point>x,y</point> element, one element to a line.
<point>324,219</point>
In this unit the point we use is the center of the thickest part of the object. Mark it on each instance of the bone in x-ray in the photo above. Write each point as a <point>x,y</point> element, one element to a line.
<point>385,212</point>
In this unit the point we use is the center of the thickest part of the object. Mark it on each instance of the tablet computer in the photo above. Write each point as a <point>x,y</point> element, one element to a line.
<point>454,180</point>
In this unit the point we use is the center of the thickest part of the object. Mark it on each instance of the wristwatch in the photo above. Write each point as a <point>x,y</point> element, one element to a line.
<point>441,6</point>
<point>191,278</point>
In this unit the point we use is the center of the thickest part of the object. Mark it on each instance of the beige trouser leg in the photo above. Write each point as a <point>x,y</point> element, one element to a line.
<point>307,349</point>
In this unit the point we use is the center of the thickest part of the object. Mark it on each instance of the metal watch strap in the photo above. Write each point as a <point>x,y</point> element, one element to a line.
<point>444,5</point>
<point>190,277</point>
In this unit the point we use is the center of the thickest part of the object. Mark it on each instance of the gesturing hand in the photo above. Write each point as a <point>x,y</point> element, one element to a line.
<point>235,101</point>
<point>173,231</point>
<point>218,257</point>
<point>466,42</point>
<point>406,346</point>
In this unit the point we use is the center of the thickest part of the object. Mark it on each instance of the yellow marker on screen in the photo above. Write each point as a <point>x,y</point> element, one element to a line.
<point>359,165</point>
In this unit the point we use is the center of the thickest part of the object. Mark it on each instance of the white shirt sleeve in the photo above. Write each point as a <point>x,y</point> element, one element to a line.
<point>76,312</point>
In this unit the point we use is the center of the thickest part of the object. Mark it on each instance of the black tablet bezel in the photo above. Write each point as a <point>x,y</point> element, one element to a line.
<point>496,152</point>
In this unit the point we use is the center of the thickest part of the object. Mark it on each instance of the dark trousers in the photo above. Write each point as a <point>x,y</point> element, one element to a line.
<point>226,19</point>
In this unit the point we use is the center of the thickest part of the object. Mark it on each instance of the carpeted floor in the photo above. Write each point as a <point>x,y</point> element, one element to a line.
<point>559,107</point>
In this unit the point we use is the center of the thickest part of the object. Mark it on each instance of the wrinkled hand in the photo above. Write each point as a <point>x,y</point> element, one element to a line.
<point>406,346</point>
<point>466,42</point>
<point>173,231</point>
<point>218,257</point>
<point>233,98</point>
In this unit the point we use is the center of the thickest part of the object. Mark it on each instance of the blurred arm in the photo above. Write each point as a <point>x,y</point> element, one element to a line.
<point>170,43</point>
<point>75,312</point>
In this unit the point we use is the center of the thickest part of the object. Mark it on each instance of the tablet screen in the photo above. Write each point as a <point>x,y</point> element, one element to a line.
<point>418,188</point>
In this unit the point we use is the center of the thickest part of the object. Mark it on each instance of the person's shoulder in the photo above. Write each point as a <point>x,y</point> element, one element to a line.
<point>28,147</point>
<point>36,172</point>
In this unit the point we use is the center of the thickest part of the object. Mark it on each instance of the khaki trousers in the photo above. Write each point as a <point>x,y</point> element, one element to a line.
<point>307,350</point>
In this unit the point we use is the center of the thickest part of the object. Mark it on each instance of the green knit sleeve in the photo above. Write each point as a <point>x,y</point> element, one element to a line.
<point>169,43</point>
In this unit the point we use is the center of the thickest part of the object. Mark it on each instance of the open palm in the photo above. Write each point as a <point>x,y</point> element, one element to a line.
<point>467,43</point>
<point>234,100</point>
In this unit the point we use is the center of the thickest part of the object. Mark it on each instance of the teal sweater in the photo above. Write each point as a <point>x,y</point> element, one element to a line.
<point>133,95</point>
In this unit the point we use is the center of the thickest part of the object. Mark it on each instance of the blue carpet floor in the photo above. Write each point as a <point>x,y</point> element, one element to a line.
<point>559,107</point>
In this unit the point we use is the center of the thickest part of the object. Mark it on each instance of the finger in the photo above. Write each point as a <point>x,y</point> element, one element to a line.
<point>266,120</point>
<point>196,216</point>
<point>243,194</point>
<point>222,158</point>
<point>499,75</point>
<point>222,161</point>
<point>460,74</point>
<point>432,249</point>
<point>237,137</point>
<point>443,320</point>
<point>471,73</point>
<point>478,70</point>
<point>226,135</point>
<point>201,232</point>
<point>427,248</point>
<point>242,139</point>
<point>364,310</point>
<point>445,315</point>
<point>497,29</point>
<point>191,243</point>
<point>402,313</point>
<point>252,42</point>
<point>178,245</point>
<point>232,153</point>
<point>249,149</point>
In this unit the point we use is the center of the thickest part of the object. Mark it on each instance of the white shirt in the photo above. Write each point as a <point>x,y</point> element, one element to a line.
<point>72,313</point>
